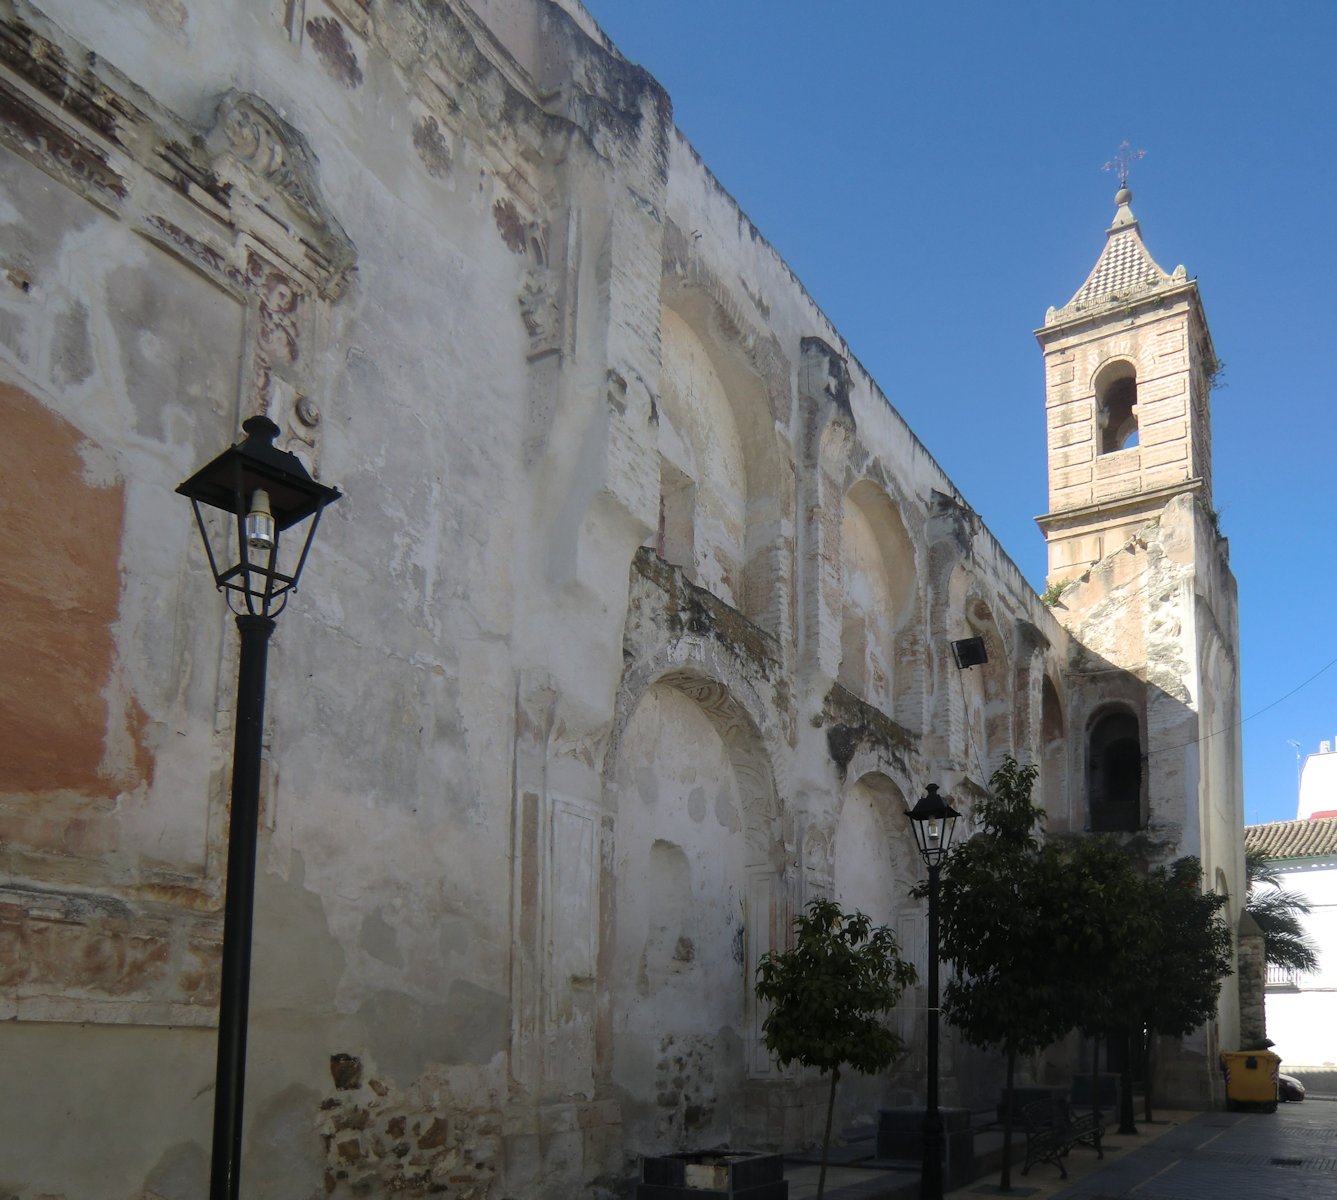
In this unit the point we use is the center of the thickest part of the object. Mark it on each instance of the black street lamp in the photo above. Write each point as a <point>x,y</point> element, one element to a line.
<point>268,491</point>
<point>932,820</point>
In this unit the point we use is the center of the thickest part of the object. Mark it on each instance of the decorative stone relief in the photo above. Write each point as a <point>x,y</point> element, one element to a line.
<point>548,290</point>
<point>249,143</point>
<point>431,145</point>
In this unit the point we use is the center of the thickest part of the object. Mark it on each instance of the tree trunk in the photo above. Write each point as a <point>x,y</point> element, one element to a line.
<point>1148,1070</point>
<point>1095,1077</point>
<point>826,1140</point>
<point>1005,1179</point>
<point>1127,1118</point>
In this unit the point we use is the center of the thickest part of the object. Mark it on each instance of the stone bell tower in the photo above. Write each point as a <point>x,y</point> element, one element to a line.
<point>1140,574</point>
<point>1128,370</point>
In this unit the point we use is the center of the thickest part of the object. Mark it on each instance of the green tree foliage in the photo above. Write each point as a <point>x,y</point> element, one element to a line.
<point>1000,913</point>
<point>1192,953</point>
<point>1107,952</point>
<point>1193,949</point>
<point>1278,914</point>
<point>1144,951</point>
<point>990,924</point>
<point>829,996</point>
<point>1051,936</point>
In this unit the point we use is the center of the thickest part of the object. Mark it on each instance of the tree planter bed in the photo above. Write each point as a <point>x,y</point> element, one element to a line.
<point>713,1175</point>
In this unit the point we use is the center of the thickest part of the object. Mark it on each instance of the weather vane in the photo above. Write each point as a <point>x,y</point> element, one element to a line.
<point>1121,161</point>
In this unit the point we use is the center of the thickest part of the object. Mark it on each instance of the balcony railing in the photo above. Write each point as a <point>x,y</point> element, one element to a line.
<point>1282,979</point>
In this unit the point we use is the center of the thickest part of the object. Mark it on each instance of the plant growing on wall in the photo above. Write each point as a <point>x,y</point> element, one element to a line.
<point>829,995</point>
<point>1054,593</point>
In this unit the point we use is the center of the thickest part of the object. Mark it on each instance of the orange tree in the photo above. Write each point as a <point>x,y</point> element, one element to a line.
<point>829,996</point>
<point>1000,914</point>
<point>1109,955</point>
<point>1191,954</point>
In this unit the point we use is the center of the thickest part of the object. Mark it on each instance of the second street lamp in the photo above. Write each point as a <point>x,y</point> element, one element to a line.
<point>266,491</point>
<point>932,819</point>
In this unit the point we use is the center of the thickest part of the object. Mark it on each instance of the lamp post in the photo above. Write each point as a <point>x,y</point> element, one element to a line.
<point>932,819</point>
<point>266,491</point>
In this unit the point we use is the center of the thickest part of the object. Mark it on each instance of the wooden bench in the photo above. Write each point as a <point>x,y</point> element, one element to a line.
<point>1052,1130</point>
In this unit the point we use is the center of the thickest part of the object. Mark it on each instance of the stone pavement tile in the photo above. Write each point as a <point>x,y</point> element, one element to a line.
<point>1287,1155</point>
<point>852,1183</point>
<point>1045,1183</point>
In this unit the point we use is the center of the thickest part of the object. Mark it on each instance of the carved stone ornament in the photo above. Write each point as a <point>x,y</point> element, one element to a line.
<point>248,134</point>
<point>540,311</point>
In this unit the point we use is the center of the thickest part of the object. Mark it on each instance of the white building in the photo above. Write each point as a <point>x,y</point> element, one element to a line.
<point>1302,1008</point>
<point>1318,783</point>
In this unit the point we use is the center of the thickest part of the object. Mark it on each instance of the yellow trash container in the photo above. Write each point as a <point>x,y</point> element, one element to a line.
<point>1251,1078</point>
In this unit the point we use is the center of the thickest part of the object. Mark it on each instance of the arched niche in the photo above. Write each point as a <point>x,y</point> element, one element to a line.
<point>1217,747</point>
<point>877,570</point>
<point>874,866</point>
<point>982,697</point>
<point>873,863</point>
<point>1116,780</point>
<point>703,494</point>
<point>1115,386</point>
<point>726,491</point>
<point>1053,757</point>
<point>695,901</point>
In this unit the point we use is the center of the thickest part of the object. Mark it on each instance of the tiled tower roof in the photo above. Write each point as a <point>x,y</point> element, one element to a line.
<point>1124,271</point>
<point>1315,838</point>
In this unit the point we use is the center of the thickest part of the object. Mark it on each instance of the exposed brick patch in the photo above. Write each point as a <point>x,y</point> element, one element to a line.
<point>346,1071</point>
<point>380,1141</point>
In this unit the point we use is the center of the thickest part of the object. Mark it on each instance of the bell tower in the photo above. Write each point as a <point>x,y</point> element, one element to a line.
<point>1128,370</point>
<point>1139,573</point>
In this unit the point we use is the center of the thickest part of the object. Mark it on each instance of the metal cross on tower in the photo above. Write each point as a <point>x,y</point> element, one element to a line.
<point>1121,161</point>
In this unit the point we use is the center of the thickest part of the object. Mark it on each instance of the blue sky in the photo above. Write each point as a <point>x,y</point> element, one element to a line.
<point>931,171</point>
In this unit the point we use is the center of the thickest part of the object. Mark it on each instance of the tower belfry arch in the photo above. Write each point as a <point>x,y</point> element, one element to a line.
<point>1128,368</point>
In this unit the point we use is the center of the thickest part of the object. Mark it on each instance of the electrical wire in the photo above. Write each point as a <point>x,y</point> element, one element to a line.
<point>1244,720</point>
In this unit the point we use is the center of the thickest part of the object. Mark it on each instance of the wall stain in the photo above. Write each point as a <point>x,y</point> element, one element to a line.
<point>510,225</point>
<point>331,44</point>
<point>431,146</point>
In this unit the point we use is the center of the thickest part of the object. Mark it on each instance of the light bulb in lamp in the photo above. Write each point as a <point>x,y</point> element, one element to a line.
<point>260,523</point>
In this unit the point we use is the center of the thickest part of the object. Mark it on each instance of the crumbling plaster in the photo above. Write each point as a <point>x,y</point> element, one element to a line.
<point>529,787</point>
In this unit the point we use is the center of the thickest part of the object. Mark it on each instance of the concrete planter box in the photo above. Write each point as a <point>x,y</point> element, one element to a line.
<point>713,1175</point>
<point>900,1136</point>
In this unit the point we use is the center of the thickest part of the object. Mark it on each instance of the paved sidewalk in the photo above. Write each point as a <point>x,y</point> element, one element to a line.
<point>867,1179</point>
<point>1287,1155</point>
<point>1045,1183</point>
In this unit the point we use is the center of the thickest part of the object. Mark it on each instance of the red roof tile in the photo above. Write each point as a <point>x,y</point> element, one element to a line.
<point>1315,838</point>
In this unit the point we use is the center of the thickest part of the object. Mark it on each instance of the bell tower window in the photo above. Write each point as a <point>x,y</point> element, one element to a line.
<point>1116,408</point>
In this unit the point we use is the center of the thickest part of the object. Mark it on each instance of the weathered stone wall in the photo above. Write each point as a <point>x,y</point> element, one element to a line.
<point>630,636</point>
